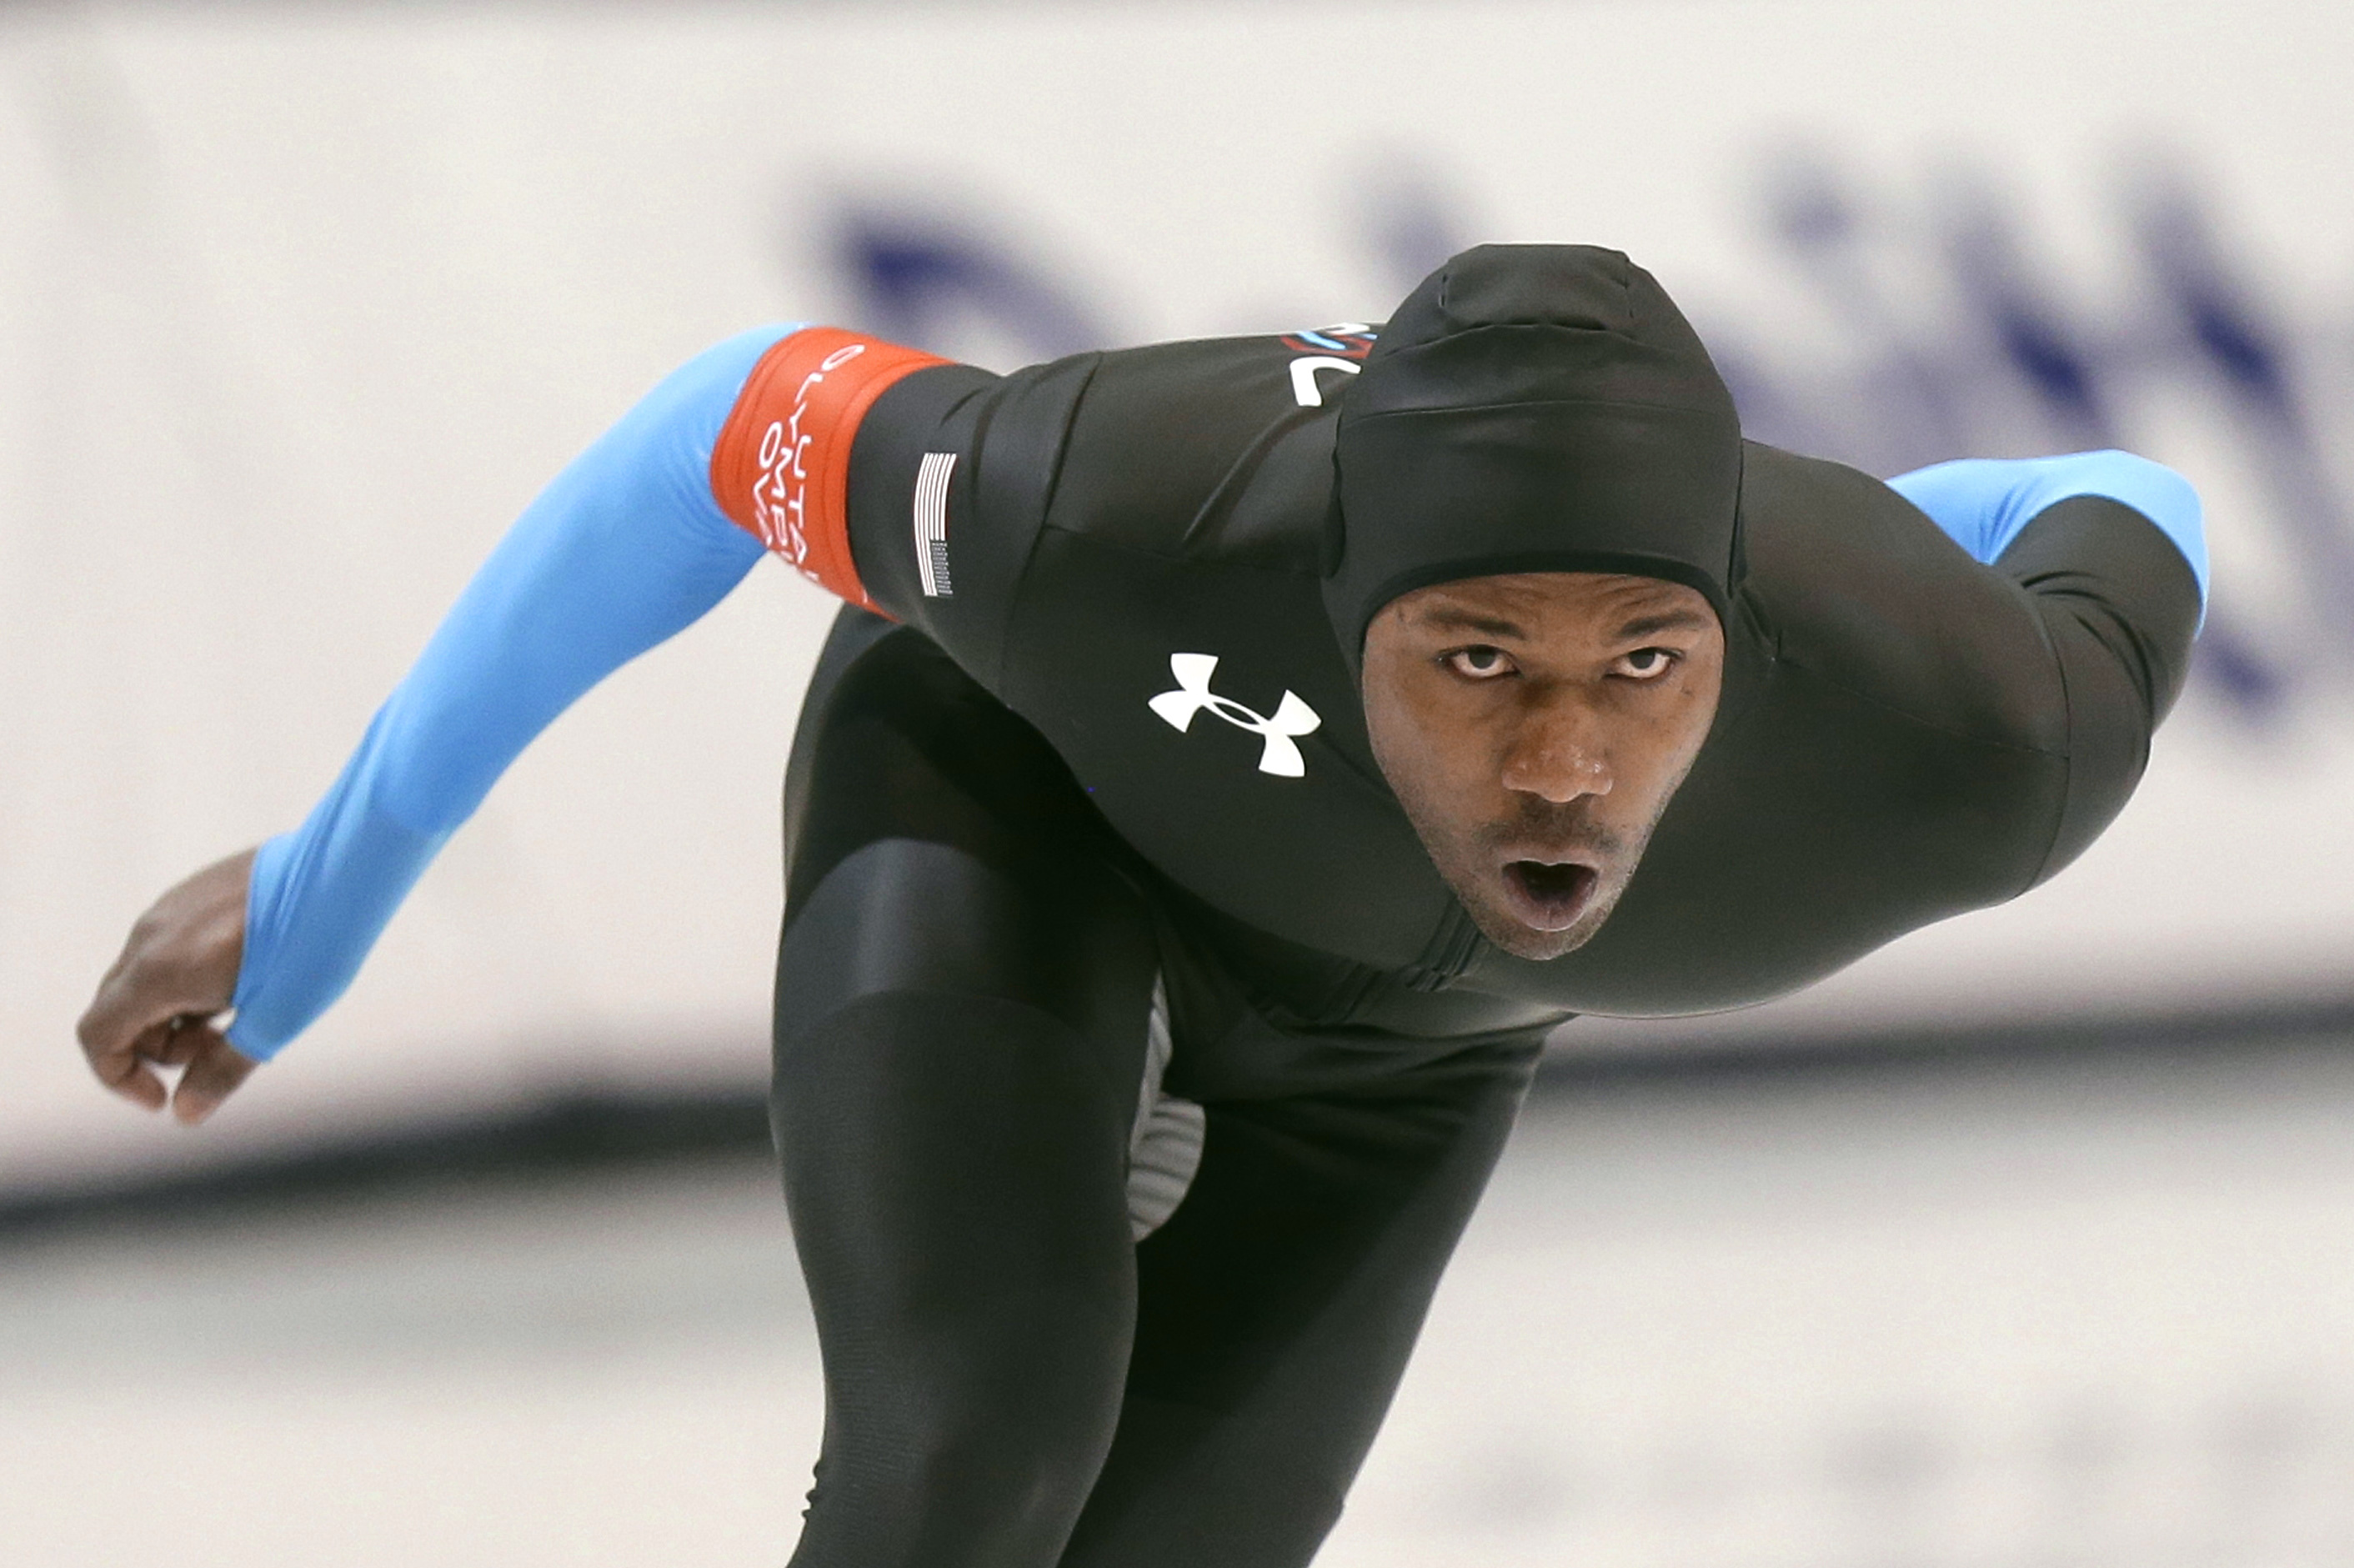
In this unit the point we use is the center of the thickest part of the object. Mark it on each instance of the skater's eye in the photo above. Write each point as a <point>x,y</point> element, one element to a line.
<point>1479,662</point>
<point>1646,663</point>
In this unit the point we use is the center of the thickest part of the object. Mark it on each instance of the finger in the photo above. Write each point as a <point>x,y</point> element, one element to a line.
<point>128,1069</point>
<point>123,1065</point>
<point>215,1071</point>
<point>139,993</point>
<point>133,1080</point>
<point>180,1041</point>
<point>120,1035</point>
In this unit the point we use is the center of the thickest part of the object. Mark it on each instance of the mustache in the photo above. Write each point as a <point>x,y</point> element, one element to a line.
<point>1544,825</point>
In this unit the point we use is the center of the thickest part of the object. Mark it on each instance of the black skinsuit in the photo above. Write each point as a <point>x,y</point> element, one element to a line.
<point>996,842</point>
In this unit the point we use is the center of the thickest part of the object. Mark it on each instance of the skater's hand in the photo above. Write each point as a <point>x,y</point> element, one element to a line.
<point>154,1008</point>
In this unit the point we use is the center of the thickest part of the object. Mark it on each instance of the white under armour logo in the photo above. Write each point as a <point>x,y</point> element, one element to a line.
<point>1293,717</point>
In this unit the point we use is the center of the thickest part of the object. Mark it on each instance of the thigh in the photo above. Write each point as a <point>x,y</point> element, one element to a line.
<point>1277,1307</point>
<point>904,763</point>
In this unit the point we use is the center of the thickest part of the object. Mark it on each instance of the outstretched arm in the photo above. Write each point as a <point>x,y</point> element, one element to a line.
<point>626,548</point>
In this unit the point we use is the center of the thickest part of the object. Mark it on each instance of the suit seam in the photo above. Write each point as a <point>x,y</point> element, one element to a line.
<point>1023,574</point>
<point>1128,548</point>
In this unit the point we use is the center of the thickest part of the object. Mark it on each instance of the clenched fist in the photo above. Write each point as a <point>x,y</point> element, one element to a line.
<point>155,1006</point>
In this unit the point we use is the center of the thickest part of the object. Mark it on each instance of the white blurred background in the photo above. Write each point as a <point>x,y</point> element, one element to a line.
<point>300,303</point>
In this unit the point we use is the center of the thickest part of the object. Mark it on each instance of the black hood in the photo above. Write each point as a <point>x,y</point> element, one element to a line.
<point>1534,407</point>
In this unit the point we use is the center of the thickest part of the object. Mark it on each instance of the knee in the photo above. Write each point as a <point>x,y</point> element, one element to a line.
<point>1014,1481</point>
<point>994,1466</point>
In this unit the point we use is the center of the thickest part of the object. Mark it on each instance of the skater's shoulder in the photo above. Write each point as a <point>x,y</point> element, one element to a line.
<point>1216,449</point>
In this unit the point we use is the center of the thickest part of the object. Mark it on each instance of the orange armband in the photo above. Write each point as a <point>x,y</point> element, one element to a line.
<point>780,470</point>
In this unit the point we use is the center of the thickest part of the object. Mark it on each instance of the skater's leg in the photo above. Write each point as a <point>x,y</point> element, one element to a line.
<point>1277,1309</point>
<point>961,1003</point>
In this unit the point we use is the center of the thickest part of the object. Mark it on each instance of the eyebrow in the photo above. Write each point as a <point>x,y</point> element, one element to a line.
<point>1466,620</point>
<point>1666,621</point>
<point>1455,619</point>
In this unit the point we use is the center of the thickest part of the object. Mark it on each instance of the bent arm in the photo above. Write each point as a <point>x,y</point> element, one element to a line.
<point>625,549</point>
<point>2111,550</point>
<point>1984,504</point>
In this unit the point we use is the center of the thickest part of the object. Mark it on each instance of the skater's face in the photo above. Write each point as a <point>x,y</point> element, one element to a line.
<point>1535,726</point>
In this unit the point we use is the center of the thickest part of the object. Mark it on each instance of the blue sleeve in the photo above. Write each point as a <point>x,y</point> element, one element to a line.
<point>625,549</point>
<point>1984,504</point>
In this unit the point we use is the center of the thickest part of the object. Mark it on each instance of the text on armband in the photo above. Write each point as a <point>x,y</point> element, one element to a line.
<point>780,492</point>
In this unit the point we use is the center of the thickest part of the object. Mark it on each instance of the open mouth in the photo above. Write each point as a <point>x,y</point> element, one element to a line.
<point>1548,896</point>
